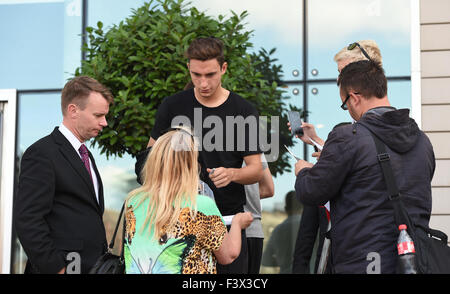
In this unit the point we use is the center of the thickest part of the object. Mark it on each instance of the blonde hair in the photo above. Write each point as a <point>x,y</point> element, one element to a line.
<point>356,54</point>
<point>170,179</point>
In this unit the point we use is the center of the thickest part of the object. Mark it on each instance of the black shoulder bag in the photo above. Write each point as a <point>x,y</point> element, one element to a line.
<point>110,263</point>
<point>432,251</point>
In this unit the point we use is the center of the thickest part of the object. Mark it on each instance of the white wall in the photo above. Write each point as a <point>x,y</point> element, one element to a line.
<point>435,90</point>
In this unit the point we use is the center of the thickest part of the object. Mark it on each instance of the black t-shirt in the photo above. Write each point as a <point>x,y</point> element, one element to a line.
<point>226,134</point>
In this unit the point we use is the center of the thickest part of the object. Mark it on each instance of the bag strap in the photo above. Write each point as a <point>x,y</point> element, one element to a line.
<point>401,216</point>
<point>435,234</point>
<point>111,244</point>
<point>385,161</point>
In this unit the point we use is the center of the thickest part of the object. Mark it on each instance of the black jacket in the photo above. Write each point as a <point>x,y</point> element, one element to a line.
<point>362,217</point>
<point>314,223</point>
<point>55,210</point>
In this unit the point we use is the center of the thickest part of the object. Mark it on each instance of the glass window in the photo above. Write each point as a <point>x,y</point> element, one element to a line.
<point>325,108</point>
<point>72,37</point>
<point>332,25</point>
<point>117,174</point>
<point>285,182</point>
<point>31,55</point>
<point>280,221</point>
<point>399,94</point>
<point>2,234</point>
<point>274,26</point>
<point>7,164</point>
<point>110,12</point>
<point>324,100</point>
<point>1,141</point>
<point>30,128</point>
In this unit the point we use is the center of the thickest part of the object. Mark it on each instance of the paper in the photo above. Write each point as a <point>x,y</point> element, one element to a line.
<point>228,219</point>
<point>291,153</point>
<point>320,147</point>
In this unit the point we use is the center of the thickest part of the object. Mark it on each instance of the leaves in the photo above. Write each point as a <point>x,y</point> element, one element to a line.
<point>141,60</point>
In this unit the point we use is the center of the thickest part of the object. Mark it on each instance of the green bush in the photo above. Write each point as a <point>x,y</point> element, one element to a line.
<point>142,61</point>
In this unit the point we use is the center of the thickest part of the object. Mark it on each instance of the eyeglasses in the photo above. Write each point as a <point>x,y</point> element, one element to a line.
<point>353,46</point>
<point>344,104</point>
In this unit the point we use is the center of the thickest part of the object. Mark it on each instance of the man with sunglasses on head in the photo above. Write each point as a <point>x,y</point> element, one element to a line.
<point>348,174</point>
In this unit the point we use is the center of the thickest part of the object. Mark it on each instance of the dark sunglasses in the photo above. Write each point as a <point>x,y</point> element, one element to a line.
<point>353,46</point>
<point>344,104</point>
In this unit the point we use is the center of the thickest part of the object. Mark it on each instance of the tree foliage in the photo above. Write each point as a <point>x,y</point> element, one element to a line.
<point>141,60</point>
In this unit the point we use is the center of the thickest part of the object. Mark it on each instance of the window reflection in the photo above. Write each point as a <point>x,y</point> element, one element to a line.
<point>387,22</point>
<point>1,140</point>
<point>274,26</point>
<point>110,12</point>
<point>31,51</point>
<point>117,173</point>
<point>325,111</point>
<point>275,218</point>
<point>31,126</point>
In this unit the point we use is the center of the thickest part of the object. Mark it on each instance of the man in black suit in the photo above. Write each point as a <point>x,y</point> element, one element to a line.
<point>59,205</point>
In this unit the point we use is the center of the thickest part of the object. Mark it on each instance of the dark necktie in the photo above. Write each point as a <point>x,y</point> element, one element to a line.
<point>85,158</point>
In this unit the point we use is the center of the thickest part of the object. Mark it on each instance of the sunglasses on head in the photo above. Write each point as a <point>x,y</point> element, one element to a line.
<point>353,46</point>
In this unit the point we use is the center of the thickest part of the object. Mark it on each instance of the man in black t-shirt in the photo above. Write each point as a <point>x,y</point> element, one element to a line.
<point>227,128</point>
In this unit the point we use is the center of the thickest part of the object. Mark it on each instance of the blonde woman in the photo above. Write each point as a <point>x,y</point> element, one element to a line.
<point>169,227</point>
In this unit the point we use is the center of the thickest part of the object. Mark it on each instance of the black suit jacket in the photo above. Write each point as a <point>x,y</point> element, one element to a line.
<point>55,209</point>
<point>314,220</point>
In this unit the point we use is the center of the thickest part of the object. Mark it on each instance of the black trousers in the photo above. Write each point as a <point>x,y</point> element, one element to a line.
<point>240,264</point>
<point>255,250</point>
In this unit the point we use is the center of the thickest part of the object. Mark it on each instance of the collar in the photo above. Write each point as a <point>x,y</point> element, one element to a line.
<point>380,110</point>
<point>70,137</point>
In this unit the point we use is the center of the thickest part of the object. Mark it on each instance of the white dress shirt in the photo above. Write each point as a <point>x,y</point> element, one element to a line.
<point>76,145</point>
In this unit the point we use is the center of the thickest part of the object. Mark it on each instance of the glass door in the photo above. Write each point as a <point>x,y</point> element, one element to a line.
<point>7,164</point>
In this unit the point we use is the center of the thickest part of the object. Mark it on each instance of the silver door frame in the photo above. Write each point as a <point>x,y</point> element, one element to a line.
<point>8,98</point>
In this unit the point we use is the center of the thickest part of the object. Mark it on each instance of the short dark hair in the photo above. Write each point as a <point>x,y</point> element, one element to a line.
<point>205,49</point>
<point>365,77</point>
<point>292,204</point>
<point>78,89</point>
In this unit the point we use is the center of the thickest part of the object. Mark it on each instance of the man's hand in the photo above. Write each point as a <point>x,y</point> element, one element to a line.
<point>221,176</point>
<point>301,164</point>
<point>316,154</point>
<point>243,219</point>
<point>61,272</point>
<point>308,132</point>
